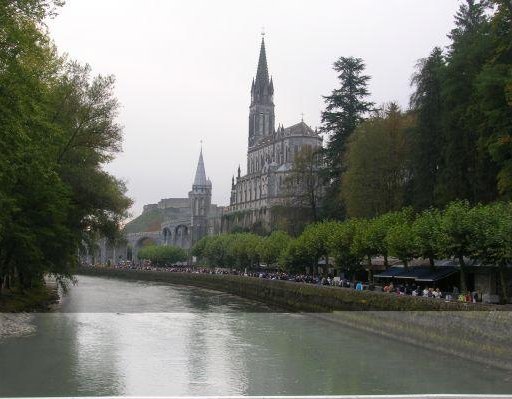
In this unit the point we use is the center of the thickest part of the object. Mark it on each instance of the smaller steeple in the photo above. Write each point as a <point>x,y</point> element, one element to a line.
<point>200,179</point>
<point>239,171</point>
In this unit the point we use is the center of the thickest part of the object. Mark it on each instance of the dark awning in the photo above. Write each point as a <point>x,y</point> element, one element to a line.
<point>418,273</point>
<point>391,272</point>
<point>438,274</point>
<point>415,273</point>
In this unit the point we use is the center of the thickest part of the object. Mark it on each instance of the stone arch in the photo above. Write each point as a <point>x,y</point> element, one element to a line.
<point>129,252</point>
<point>167,235</point>
<point>141,242</point>
<point>181,236</point>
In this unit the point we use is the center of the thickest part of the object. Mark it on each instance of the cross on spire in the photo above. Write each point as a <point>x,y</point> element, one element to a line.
<point>302,116</point>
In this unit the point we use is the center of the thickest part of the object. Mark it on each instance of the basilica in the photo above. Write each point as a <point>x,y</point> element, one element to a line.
<point>254,195</point>
<point>270,155</point>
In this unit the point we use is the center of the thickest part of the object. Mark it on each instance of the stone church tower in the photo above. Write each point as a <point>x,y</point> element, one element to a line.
<point>200,199</point>
<point>261,110</point>
<point>257,195</point>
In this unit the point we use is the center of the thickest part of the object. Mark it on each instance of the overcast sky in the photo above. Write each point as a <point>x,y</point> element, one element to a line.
<point>184,70</point>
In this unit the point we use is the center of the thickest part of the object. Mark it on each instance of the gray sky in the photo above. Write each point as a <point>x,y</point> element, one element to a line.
<point>184,70</point>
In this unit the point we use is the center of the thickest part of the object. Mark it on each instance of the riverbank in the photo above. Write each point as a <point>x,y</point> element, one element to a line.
<point>476,332</point>
<point>40,299</point>
<point>291,295</point>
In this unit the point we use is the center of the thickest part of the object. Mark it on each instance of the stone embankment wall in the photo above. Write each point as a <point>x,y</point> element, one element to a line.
<point>290,295</point>
<point>476,332</point>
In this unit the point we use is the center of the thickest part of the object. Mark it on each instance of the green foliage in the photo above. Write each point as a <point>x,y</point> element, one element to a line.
<point>377,164</point>
<point>238,250</point>
<point>459,228</point>
<point>401,242</point>
<point>427,134</point>
<point>162,254</point>
<point>295,258</point>
<point>341,244</point>
<point>345,109</point>
<point>57,130</point>
<point>428,234</point>
<point>271,248</point>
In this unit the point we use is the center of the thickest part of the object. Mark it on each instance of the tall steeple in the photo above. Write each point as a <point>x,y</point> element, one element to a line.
<point>261,110</point>
<point>262,72</point>
<point>200,199</point>
<point>200,179</point>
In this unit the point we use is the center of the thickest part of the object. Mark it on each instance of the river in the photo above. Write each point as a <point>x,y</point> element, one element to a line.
<point>112,337</point>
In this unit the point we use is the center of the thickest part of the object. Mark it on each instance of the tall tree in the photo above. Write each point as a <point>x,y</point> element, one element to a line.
<point>466,171</point>
<point>57,130</point>
<point>345,109</point>
<point>427,135</point>
<point>377,164</point>
<point>494,95</point>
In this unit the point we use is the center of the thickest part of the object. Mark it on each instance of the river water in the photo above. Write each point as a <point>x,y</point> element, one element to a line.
<point>115,337</point>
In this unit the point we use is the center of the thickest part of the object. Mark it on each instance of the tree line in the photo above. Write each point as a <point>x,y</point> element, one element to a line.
<point>454,142</point>
<point>162,255</point>
<point>58,129</point>
<point>481,234</point>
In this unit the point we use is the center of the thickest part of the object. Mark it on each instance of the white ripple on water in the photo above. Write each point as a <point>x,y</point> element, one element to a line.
<point>16,325</point>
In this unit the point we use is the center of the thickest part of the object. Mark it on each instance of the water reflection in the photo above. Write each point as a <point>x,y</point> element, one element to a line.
<point>131,338</point>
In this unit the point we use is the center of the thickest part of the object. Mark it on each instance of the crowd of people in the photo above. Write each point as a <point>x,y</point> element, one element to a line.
<point>389,287</point>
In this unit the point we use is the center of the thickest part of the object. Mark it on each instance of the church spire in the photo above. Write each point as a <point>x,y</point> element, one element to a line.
<point>261,110</point>
<point>200,179</point>
<point>262,73</point>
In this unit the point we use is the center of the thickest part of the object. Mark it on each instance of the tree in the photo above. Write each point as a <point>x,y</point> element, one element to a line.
<point>304,183</point>
<point>341,244</point>
<point>54,193</point>
<point>466,170</point>
<point>400,242</point>
<point>163,255</point>
<point>216,251</point>
<point>345,109</point>
<point>243,249</point>
<point>295,258</point>
<point>428,234</point>
<point>493,239</point>
<point>493,91</point>
<point>459,229</point>
<point>427,134</point>
<point>199,248</point>
<point>271,248</point>
<point>377,164</point>
<point>315,242</point>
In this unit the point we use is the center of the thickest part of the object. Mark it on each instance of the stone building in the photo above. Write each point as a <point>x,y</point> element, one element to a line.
<point>254,196</point>
<point>270,155</point>
<point>172,221</point>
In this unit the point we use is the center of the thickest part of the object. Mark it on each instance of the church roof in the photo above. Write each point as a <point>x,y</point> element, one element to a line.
<point>299,129</point>
<point>200,179</point>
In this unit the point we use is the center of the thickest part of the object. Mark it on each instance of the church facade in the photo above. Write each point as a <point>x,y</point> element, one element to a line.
<point>254,195</point>
<point>270,155</point>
